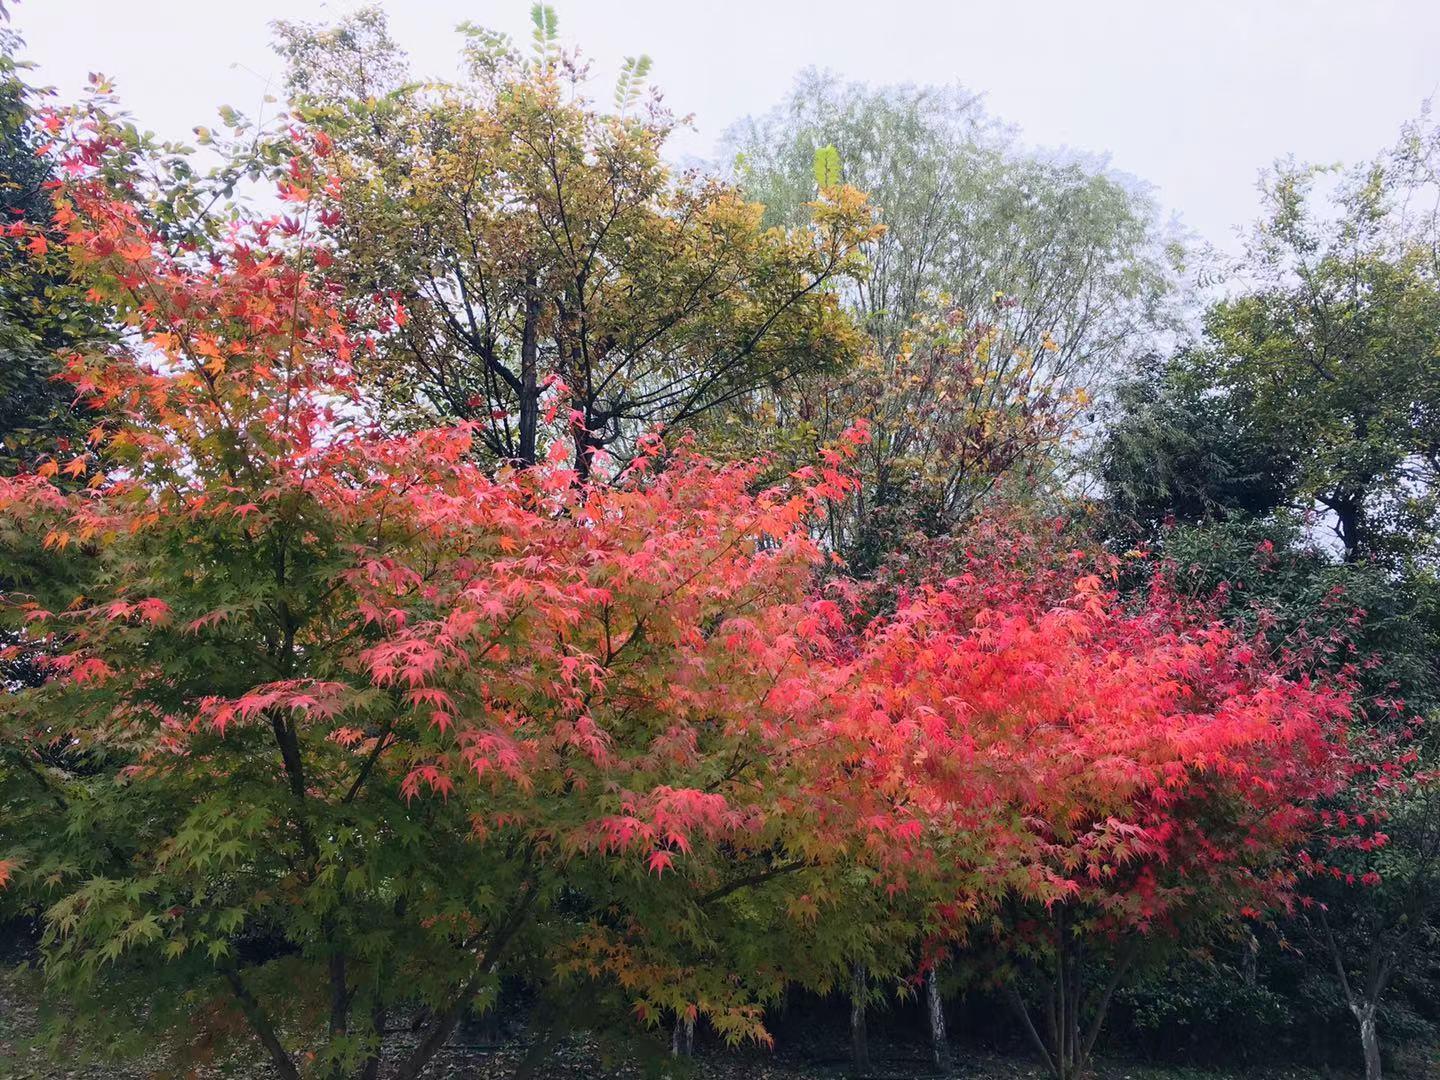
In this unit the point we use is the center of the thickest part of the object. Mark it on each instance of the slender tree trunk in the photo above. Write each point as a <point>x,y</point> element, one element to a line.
<point>1067,994</point>
<point>1068,1038</point>
<point>443,1023</point>
<point>584,449</point>
<point>1250,960</point>
<point>529,381</point>
<point>339,991</point>
<point>682,1036</point>
<point>1363,1004</point>
<point>1012,994</point>
<point>1369,1040</point>
<point>260,1023</point>
<point>859,1048</point>
<point>371,1069</point>
<point>939,1044</point>
<point>339,995</point>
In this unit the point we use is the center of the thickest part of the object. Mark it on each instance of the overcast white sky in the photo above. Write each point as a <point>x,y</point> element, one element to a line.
<point>1192,96</point>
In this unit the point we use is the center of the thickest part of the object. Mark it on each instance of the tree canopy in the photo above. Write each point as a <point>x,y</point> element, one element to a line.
<point>523,237</point>
<point>456,564</point>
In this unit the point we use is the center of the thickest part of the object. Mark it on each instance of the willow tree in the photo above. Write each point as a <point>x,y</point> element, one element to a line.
<point>1004,283</point>
<point>1033,243</point>
<point>525,238</point>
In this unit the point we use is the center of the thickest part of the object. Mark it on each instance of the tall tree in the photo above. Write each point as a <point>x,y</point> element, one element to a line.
<point>1003,284</point>
<point>1333,352</point>
<point>531,239</point>
<point>1031,244</point>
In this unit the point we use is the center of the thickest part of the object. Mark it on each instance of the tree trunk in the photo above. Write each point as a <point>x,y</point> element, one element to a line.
<point>339,991</point>
<point>1250,960</point>
<point>1062,1037</point>
<point>1348,511</point>
<point>1369,1041</point>
<point>682,1036</point>
<point>529,380</point>
<point>939,1045</point>
<point>370,1069</point>
<point>443,1024</point>
<point>1067,997</point>
<point>859,1049</point>
<point>584,449</point>
<point>260,1022</point>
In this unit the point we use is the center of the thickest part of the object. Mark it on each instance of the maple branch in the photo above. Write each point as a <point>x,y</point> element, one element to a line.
<point>1127,958</point>
<point>637,633</point>
<point>735,768</point>
<point>381,744</point>
<point>446,1021</point>
<point>751,879</point>
<point>1018,1004</point>
<point>1334,950</point>
<point>295,773</point>
<point>260,1023</point>
<point>23,760</point>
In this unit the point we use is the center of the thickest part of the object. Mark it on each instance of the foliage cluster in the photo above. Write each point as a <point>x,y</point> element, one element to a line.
<point>460,553</point>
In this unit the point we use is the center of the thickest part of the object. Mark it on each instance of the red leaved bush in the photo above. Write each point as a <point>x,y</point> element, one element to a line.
<point>1095,768</point>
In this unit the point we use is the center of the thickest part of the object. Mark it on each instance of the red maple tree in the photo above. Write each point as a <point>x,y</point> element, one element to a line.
<point>1127,770</point>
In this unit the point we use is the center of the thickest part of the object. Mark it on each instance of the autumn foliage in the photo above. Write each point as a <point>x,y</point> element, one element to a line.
<point>339,723</point>
<point>1131,771</point>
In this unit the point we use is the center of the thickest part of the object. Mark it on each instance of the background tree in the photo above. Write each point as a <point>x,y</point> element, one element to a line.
<point>40,311</point>
<point>1175,451</point>
<point>1332,353</point>
<point>526,238</point>
<point>956,412</point>
<point>1004,282</point>
<point>1304,410</point>
<point>1032,245</point>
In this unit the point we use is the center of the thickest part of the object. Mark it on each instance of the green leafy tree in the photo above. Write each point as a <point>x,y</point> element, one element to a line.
<point>1175,451</point>
<point>41,312</point>
<point>1032,245</point>
<point>524,238</point>
<point>1333,353</point>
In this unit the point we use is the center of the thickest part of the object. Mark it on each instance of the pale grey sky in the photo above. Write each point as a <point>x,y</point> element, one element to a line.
<point>1193,97</point>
